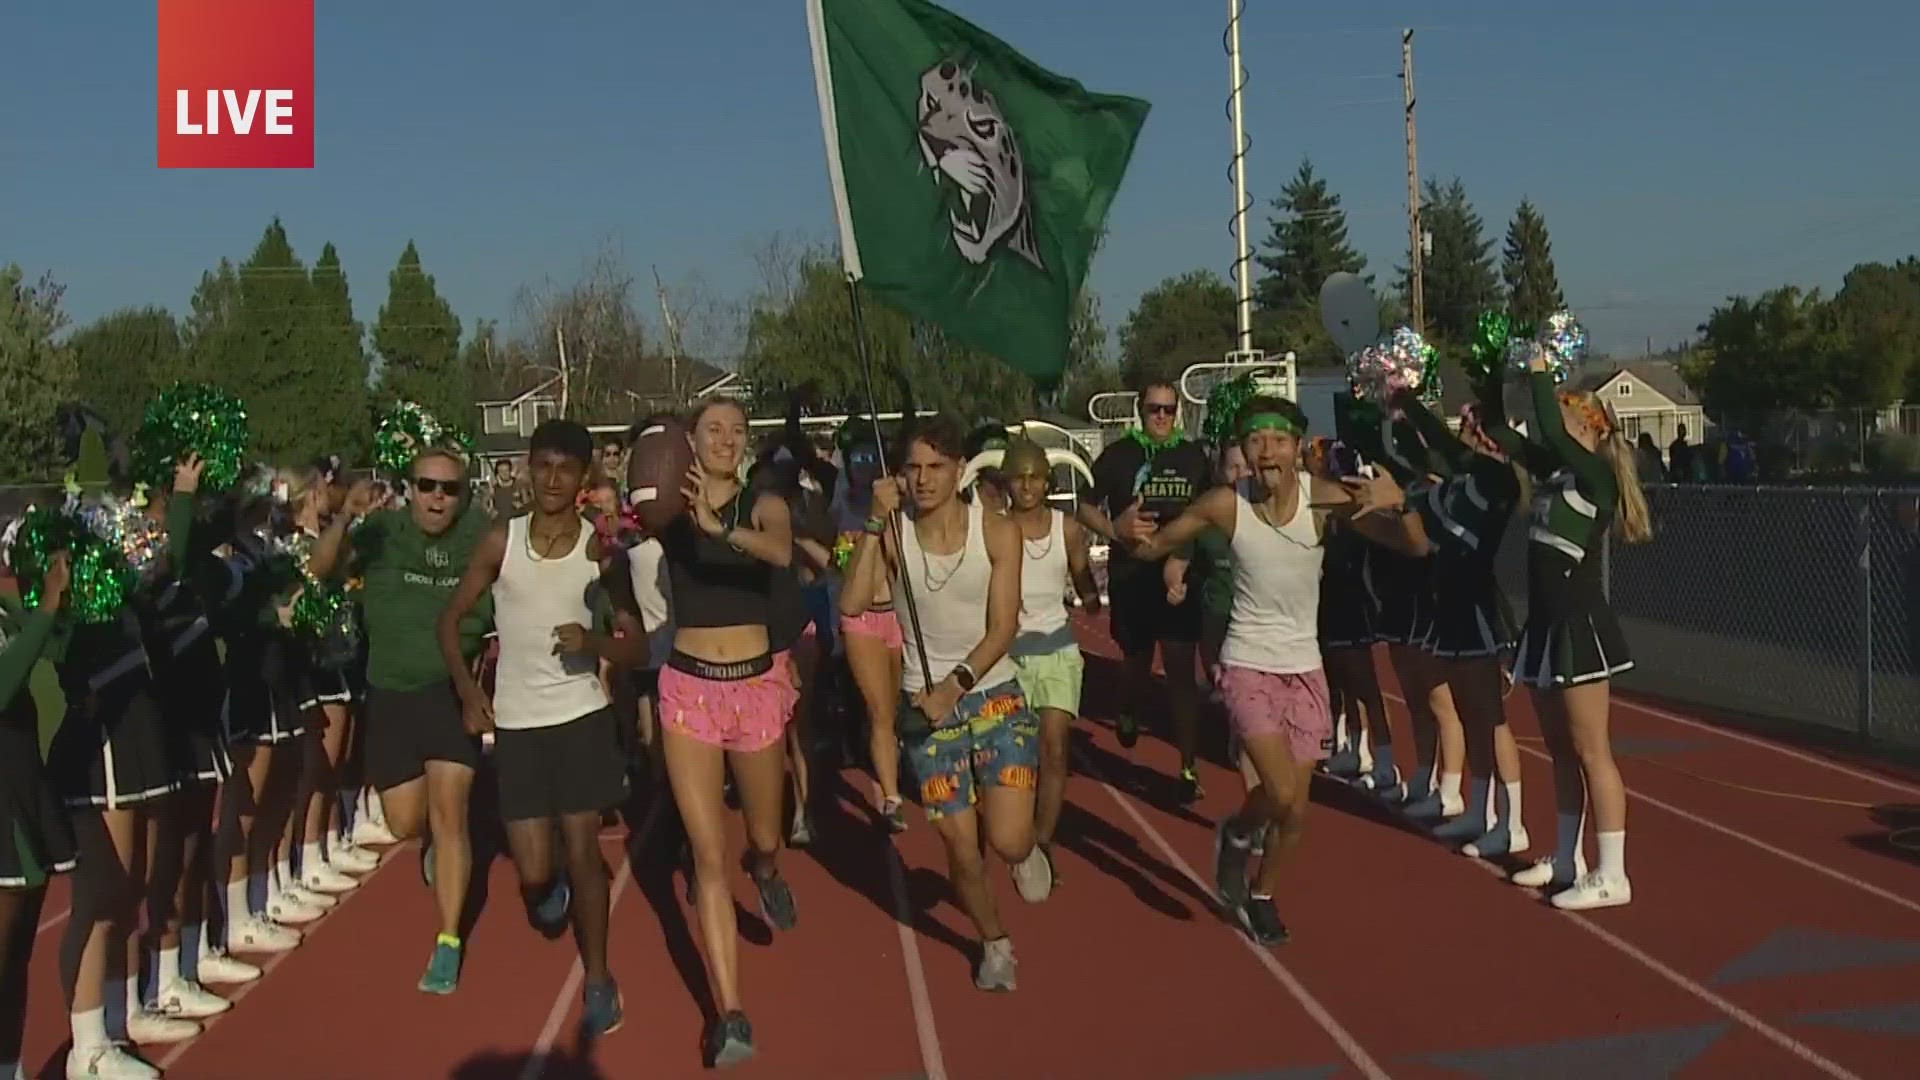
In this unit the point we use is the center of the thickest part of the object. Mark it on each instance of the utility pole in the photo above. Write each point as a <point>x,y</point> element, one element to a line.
<point>673,340</point>
<point>1416,247</point>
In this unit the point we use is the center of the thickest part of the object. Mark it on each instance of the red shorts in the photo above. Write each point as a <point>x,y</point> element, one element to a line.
<point>739,714</point>
<point>1261,704</point>
<point>884,625</point>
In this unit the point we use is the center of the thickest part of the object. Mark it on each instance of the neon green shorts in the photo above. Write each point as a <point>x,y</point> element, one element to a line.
<point>1052,680</point>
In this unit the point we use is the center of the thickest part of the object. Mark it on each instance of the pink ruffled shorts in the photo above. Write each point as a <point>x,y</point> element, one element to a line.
<point>884,625</point>
<point>1261,704</point>
<point>743,715</point>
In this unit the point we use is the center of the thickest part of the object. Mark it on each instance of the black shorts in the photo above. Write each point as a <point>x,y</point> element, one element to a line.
<point>573,768</point>
<point>1142,618</point>
<point>408,728</point>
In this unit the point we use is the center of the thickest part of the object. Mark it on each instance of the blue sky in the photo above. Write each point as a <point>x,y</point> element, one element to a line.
<point>1680,151</point>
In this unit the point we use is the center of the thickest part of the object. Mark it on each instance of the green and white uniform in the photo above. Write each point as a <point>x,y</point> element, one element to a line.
<point>1571,636</point>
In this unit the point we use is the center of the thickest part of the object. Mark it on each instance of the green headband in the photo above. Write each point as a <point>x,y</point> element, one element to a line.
<point>1268,421</point>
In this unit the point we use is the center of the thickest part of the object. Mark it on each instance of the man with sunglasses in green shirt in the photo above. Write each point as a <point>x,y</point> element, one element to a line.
<point>419,754</point>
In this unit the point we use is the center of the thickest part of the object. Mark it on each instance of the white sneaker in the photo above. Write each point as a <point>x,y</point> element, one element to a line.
<point>368,832</point>
<point>326,881</point>
<point>107,1062</point>
<point>150,1028</point>
<point>1595,890</point>
<point>351,858</point>
<point>220,969</point>
<point>1543,871</point>
<point>1033,876</point>
<point>188,1000</point>
<point>255,934</point>
<point>287,909</point>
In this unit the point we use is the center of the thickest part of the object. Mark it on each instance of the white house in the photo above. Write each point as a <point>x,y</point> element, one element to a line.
<point>1649,396</point>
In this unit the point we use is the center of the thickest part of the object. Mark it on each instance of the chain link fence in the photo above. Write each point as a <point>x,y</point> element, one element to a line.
<point>1795,605</point>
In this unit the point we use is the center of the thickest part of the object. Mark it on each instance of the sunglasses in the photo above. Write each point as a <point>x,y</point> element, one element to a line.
<point>1163,410</point>
<point>427,485</point>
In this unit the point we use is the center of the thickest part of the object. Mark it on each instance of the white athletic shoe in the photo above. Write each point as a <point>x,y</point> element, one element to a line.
<point>188,1000</point>
<point>326,881</point>
<point>1595,890</point>
<point>149,1028</point>
<point>254,934</point>
<point>219,969</point>
<point>1033,876</point>
<point>351,858</point>
<point>1543,871</point>
<point>369,832</point>
<point>107,1062</point>
<point>289,908</point>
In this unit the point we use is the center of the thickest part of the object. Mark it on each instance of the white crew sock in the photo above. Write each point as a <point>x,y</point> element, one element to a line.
<point>131,987</point>
<point>1514,820</point>
<point>1613,853</point>
<point>238,904</point>
<point>1450,788</point>
<point>311,857</point>
<point>282,876</point>
<point>89,1028</point>
<point>166,969</point>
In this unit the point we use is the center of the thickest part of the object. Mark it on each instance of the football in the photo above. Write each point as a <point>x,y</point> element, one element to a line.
<point>656,472</point>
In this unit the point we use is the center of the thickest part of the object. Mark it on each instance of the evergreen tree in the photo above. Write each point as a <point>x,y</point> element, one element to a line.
<point>254,333</point>
<point>418,339</point>
<point>1306,243</point>
<point>123,359</point>
<point>1533,291</point>
<point>1460,280</point>
<point>340,345</point>
<point>36,377</point>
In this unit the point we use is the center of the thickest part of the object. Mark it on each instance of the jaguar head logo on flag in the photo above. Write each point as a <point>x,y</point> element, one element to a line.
<point>975,156</point>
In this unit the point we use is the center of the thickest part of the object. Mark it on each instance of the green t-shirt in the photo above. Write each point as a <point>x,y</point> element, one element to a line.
<point>408,577</point>
<point>1213,552</point>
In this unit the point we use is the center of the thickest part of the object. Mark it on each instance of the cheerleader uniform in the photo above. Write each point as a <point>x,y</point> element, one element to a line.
<point>1346,619</point>
<point>1400,587</point>
<point>193,690</point>
<point>1467,519</point>
<point>114,748</point>
<point>1570,637</point>
<point>36,839</point>
<point>263,702</point>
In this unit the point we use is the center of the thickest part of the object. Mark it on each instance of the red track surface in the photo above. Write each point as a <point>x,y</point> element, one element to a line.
<point>1403,950</point>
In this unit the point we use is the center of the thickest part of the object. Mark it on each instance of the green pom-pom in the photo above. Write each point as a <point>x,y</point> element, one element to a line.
<point>1223,407</point>
<point>1487,352</point>
<point>407,430</point>
<point>321,609</point>
<point>191,418</point>
<point>102,579</point>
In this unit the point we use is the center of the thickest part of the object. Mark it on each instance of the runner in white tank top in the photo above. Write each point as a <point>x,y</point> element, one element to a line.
<point>972,740</point>
<point>1270,674</point>
<point>1046,654</point>
<point>557,754</point>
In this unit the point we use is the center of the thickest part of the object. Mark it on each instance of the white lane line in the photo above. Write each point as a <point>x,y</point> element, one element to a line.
<point>1764,744</point>
<point>563,1001</point>
<point>275,960</point>
<point>1752,841</point>
<point>1344,1039</point>
<point>931,1061</point>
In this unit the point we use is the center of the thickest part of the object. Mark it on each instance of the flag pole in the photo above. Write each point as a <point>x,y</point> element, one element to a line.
<point>880,444</point>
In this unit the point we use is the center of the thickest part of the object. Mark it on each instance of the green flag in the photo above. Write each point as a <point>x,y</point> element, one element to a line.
<point>970,183</point>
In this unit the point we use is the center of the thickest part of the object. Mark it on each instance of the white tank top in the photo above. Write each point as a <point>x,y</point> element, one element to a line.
<point>533,688</point>
<point>646,563</point>
<point>1274,626</point>
<point>1043,580</point>
<point>950,594</point>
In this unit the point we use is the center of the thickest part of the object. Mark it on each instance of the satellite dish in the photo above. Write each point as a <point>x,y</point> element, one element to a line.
<point>1349,311</point>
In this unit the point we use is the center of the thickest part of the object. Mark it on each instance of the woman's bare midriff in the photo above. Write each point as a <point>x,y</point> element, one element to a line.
<point>722,644</point>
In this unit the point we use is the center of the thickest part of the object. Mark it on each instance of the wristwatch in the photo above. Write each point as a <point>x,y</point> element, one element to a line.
<point>964,678</point>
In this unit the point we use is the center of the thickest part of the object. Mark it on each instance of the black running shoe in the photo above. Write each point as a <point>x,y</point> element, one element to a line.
<point>1190,790</point>
<point>1262,921</point>
<point>776,901</point>
<point>729,1040</point>
<point>1128,729</point>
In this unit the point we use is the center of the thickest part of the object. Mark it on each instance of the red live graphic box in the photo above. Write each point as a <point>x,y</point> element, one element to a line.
<point>235,84</point>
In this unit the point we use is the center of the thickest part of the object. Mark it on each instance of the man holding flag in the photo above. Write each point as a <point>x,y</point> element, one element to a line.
<point>970,186</point>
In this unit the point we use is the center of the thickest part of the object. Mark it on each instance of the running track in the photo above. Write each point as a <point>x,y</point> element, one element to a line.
<point>1774,936</point>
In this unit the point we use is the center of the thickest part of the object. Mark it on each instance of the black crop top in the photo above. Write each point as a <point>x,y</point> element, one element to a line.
<point>713,583</point>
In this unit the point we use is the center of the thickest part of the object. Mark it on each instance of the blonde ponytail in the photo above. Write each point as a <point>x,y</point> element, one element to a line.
<point>1630,518</point>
